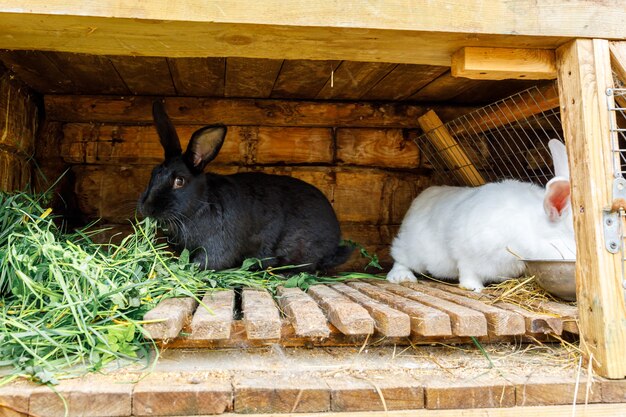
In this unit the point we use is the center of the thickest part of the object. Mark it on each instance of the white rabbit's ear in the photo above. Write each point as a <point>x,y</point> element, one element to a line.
<point>557,198</point>
<point>559,158</point>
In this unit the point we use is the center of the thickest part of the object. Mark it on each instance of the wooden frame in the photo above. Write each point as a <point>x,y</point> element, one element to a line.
<point>584,74</point>
<point>394,31</point>
<point>402,32</point>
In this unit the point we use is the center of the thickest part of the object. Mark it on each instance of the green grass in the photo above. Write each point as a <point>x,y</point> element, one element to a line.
<point>69,305</point>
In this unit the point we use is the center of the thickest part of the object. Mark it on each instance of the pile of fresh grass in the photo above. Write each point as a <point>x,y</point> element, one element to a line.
<point>68,304</point>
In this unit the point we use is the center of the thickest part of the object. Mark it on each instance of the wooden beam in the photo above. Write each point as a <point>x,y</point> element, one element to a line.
<point>450,151</point>
<point>618,58</point>
<point>399,31</point>
<point>519,107</point>
<point>241,112</point>
<point>584,74</point>
<point>480,63</point>
<point>589,410</point>
<point>618,64</point>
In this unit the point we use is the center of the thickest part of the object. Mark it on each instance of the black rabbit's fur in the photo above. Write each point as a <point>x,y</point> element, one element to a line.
<point>224,219</point>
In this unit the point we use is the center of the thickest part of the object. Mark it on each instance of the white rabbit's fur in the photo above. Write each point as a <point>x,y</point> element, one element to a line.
<point>466,233</point>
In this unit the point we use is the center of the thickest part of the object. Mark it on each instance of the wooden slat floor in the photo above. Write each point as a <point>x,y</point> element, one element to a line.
<point>352,314</point>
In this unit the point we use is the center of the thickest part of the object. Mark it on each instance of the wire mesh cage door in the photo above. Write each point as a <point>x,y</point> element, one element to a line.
<point>615,219</point>
<point>506,139</point>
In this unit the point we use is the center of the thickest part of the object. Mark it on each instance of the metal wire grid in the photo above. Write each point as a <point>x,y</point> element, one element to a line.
<point>506,139</point>
<point>616,99</point>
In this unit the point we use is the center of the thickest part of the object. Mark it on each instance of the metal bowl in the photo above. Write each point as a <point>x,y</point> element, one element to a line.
<point>555,276</point>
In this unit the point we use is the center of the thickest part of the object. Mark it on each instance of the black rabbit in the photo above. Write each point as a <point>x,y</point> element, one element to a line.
<point>223,219</point>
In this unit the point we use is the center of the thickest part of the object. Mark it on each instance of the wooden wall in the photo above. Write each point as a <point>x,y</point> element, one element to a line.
<point>18,125</point>
<point>370,174</point>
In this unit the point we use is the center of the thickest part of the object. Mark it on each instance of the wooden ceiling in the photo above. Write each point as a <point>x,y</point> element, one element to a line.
<point>70,73</point>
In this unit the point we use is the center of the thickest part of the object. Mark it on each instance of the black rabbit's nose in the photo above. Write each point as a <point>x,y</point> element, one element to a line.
<point>144,207</point>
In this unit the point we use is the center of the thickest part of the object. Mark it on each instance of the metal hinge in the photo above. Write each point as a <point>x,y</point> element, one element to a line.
<point>611,218</point>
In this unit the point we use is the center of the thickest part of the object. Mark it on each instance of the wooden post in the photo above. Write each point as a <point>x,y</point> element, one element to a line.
<point>584,74</point>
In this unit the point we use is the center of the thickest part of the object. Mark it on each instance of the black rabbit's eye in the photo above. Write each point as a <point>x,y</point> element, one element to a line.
<point>179,182</point>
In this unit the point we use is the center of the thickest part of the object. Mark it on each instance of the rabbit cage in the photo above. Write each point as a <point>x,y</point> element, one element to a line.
<point>371,115</point>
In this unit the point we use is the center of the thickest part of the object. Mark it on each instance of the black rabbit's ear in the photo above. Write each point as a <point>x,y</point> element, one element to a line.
<point>204,146</point>
<point>167,133</point>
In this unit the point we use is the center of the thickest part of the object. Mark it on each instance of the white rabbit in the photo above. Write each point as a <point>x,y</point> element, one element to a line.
<point>469,233</point>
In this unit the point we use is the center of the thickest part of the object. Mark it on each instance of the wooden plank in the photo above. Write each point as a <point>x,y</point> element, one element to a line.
<point>349,317</point>
<point>117,144</point>
<point>36,70</point>
<point>398,193</point>
<point>376,147</point>
<point>304,314</point>
<point>487,92</point>
<point>584,75</point>
<point>536,322</point>
<point>260,315</point>
<point>543,390</point>
<point>425,320</point>
<point>292,145</point>
<point>214,318</point>
<point>417,32</point>
<point>280,395</point>
<point>568,313</point>
<point>144,75</point>
<point>240,112</point>
<point>350,187</point>
<point>50,163</point>
<point>613,391</point>
<point>84,400</point>
<point>618,64</point>
<point>350,394</point>
<point>20,119</point>
<point>244,145</point>
<point>168,317</point>
<point>336,338</point>
<point>403,81</point>
<point>157,395</point>
<point>90,74</point>
<point>590,410</point>
<point>461,394</point>
<point>15,172</point>
<point>251,77</point>
<point>449,149</point>
<point>499,322</point>
<point>198,77</point>
<point>465,321</point>
<point>617,51</point>
<point>14,401</point>
<point>443,88</point>
<point>387,321</point>
<point>302,79</point>
<point>481,63</point>
<point>352,79</point>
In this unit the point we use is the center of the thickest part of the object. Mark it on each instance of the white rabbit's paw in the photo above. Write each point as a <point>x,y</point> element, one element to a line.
<point>471,285</point>
<point>400,274</point>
